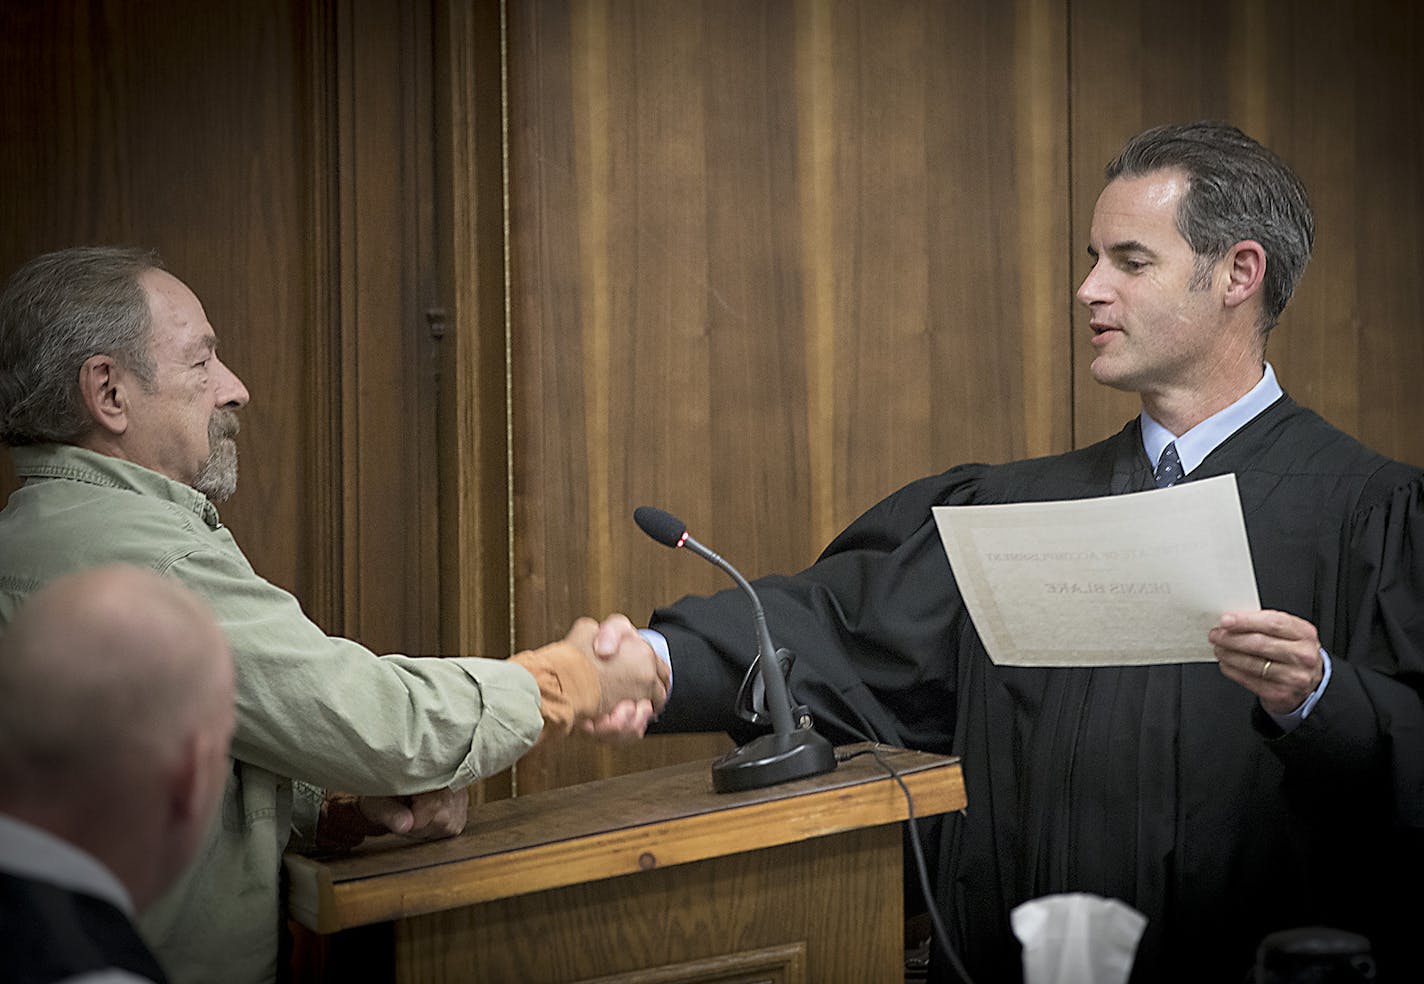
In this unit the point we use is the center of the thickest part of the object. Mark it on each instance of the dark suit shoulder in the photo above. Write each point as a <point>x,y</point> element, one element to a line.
<point>52,933</point>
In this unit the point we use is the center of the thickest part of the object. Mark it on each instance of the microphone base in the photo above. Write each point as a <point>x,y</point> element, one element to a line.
<point>772,759</point>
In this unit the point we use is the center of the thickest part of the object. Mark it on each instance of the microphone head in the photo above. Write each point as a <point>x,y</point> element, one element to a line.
<point>664,527</point>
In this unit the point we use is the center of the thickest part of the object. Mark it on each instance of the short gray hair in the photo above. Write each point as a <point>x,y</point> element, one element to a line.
<point>57,311</point>
<point>1237,189</point>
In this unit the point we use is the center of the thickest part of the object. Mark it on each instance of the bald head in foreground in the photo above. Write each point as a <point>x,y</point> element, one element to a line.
<point>116,712</point>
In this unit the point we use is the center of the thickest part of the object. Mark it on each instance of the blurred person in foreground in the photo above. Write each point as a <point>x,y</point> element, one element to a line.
<point>115,717</point>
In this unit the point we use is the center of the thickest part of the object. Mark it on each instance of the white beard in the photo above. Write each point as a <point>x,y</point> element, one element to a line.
<point>217,478</point>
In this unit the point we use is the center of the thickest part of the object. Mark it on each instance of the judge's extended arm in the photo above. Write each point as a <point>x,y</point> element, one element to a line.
<point>875,624</point>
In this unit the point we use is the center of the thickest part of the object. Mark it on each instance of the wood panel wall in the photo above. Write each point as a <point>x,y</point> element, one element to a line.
<point>277,155</point>
<point>1337,89</point>
<point>105,126</point>
<point>742,288</point>
<point>770,261</point>
<point>497,273</point>
<point>731,251</point>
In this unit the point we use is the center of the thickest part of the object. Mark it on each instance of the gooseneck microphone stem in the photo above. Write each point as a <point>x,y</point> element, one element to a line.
<point>788,752</point>
<point>778,701</point>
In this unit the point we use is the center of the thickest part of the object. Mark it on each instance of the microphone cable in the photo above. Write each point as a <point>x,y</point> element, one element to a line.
<point>667,529</point>
<point>941,935</point>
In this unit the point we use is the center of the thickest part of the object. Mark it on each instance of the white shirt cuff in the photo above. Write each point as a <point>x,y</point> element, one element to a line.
<point>659,643</point>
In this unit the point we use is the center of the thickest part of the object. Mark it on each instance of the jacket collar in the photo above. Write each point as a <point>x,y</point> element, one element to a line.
<point>46,461</point>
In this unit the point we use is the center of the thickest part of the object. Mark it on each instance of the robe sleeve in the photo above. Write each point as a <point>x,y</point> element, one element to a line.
<point>1365,737</point>
<point>870,623</point>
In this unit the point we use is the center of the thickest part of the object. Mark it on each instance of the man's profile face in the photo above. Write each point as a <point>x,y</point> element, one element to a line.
<point>1155,325</point>
<point>185,427</point>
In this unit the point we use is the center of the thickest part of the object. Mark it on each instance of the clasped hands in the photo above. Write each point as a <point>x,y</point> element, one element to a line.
<point>615,641</point>
<point>348,820</point>
<point>633,684</point>
<point>634,680</point>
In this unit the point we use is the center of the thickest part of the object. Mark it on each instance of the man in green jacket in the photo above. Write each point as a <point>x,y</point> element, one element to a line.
<point>121,419</point>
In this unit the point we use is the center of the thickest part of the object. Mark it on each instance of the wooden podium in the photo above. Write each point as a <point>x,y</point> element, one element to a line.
<point>649,878</point>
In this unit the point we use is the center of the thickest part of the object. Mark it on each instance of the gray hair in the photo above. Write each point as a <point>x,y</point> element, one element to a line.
<point>1237,190</point>
<point>57,311</point>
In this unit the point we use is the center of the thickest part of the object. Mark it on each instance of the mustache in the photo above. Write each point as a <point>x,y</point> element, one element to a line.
<point>222,424</point>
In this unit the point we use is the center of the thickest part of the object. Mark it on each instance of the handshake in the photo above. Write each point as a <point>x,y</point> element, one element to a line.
<point>632,680</point>
<point>603,679</point>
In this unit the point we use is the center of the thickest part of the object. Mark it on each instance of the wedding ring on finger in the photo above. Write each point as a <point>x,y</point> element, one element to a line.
<point>1265,668</point>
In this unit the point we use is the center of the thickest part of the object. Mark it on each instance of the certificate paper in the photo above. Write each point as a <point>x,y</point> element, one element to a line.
<point>1122,580</point>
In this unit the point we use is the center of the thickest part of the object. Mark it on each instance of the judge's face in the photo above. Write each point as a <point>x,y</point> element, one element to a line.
<point>1156,320</point>
<point>184,425</point>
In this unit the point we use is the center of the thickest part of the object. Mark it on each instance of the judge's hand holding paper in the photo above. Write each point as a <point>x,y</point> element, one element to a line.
<point>1162,576</point>
<point>1127,580</point>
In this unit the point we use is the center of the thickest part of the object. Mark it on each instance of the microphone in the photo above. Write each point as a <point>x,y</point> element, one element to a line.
<point>785,754</point>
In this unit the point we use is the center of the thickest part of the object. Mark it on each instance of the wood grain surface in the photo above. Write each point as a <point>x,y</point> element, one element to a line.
<point>623,825</point>
<point>758,264</point>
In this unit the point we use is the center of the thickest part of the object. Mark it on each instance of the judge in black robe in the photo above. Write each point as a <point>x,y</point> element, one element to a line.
<point>1165,786</point>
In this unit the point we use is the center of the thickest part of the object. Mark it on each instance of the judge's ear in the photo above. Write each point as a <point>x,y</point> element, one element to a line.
<point>103,393</point>
<point>1245,271</point>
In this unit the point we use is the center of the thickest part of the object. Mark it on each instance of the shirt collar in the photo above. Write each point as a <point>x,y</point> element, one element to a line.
<point>83,465</point>
<point>30,852</point>
<point>1207,436</point>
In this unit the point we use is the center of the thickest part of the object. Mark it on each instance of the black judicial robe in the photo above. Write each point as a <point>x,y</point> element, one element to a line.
<point>1165,786</point>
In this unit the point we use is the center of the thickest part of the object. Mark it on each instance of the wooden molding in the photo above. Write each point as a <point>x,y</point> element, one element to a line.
<point>326,537</point>
<point>620,826</point>
<point>474,492</point>
<point>785,964</point>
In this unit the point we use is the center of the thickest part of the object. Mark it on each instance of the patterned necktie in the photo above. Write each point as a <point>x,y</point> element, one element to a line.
<point>1169,467</point>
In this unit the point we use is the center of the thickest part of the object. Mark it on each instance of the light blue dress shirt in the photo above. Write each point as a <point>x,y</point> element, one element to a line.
<point>1202,440</point>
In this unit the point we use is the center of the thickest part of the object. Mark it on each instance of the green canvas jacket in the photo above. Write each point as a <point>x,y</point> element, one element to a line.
<point>313,711</point>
